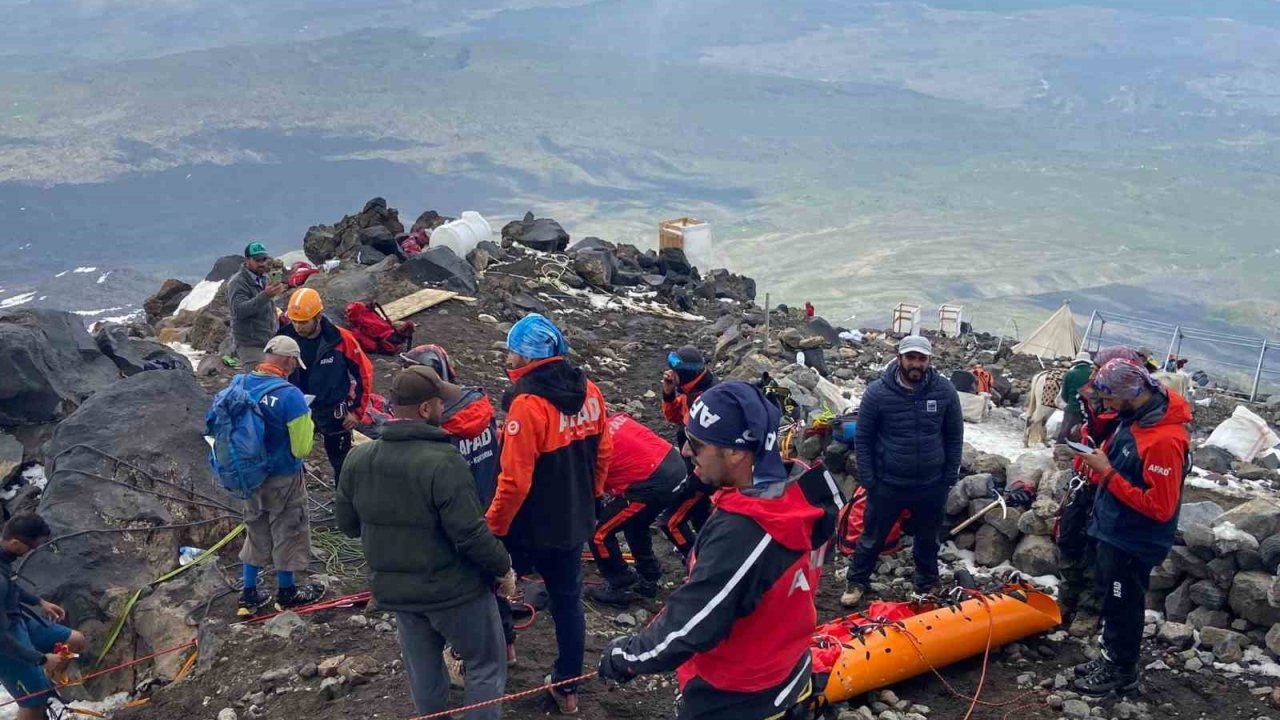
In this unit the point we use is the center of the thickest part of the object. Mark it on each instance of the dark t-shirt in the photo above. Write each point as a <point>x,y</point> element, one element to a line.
<point>310,348</point>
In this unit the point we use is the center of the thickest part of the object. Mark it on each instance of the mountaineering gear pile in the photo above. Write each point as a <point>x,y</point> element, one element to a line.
<point>411,500</point>
<point>374,330</point>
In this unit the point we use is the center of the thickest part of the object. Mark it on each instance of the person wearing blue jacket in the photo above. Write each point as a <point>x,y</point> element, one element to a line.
<point>909,440</point>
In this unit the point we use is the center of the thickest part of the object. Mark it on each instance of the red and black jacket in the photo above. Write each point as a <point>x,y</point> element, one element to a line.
<point>675,407</point>
<point>1149,453</point>
<point>637,453</point>
<point>1098,426</point>
<point>472,429</point>
<point>737,633</point>
<point>340,374</point>
<point>556,449</point>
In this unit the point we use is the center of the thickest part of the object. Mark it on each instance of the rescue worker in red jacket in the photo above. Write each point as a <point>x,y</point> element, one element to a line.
<point>737,632</point>
<point>1135,516</point>
<point>337,373</point>
<point>555,456</point>
<point>686,378</point>
<point>643,472</point>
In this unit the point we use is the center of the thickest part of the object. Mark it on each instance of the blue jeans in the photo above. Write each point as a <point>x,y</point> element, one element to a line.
<point>561,570</point>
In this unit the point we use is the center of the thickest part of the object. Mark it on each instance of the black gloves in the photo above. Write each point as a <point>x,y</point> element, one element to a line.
<point>613,666</point>
<point>1019,496</point>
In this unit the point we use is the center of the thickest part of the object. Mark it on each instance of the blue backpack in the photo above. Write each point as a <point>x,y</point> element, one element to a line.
<point>239,455</point>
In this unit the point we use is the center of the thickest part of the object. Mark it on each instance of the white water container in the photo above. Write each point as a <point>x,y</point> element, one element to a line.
<point>462,235</point>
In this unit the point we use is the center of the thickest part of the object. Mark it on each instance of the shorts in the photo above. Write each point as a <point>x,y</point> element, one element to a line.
<point>22,678</point>
<point>279,531</point>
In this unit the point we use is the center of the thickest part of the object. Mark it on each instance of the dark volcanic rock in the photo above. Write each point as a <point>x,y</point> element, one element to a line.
<point>429,220</point>
<point>166,300</point>
<point>133,355</point>
<point>224,268</point>
<point>49,364</point>
<point>441,265</point>
<point>542,234</point>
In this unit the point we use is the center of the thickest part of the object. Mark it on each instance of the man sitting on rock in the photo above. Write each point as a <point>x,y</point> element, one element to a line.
<point>250,298</point>
<point>334,369</point>
<point>909,441</point>
<point>685,379</point>
<point>27,641</point>
<point>645,469</point>
<point>737,632</point>
<point>556,449</point>
<point>410,497</point>
<point>278,530</point>
<point>1135,514</point>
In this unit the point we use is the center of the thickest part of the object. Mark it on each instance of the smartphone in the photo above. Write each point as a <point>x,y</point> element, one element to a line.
<point>1079,447</point>
<point>276,276</point>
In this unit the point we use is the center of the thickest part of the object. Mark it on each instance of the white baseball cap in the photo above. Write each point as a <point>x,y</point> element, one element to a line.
<point>915,344</point>
<point>285,346</point>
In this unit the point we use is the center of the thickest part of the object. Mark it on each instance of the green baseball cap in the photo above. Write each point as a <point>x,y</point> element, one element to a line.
<point>256,249</point>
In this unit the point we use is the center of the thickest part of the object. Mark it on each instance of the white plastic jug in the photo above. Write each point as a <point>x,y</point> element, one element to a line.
<point>462,235</point>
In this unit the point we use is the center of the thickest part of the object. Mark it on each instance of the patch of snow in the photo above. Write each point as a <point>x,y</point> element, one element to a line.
<point>201,295</point>
<point>1000,434</point>
<point>1255,662</point>
<point>61,274</point>
<point>192,355</point>
<point>122,319</point>
<point>17,300</point>
<point>104,277</point>
<point>102,707</point>
<point>85,270</point>
<point>34,475</point>
<point>95,313</point>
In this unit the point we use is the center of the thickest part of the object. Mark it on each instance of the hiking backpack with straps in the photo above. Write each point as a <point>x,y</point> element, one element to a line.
<point>374,330</point>
<point>239,454</point>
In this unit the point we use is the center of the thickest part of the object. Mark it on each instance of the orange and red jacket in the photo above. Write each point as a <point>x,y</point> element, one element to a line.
<point>985,381</point>
<point>638,451</point>
<point>1138,509</point>
<point>556,449</point>
<point>339,373</point>
<point>675,407</point>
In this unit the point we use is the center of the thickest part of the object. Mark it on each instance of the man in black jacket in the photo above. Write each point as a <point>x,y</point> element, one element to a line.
<point>27,641</point>
<point>410,498</point>
<point>909,441</point>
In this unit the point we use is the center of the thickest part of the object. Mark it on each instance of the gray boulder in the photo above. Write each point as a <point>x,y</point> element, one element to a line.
<point>1029,469</point>
<point>1206,594</point>
<point>1178,635</point>
<point>1198,514</point>
<point>49,365</point>
<point>11,455</point>
<point>1036,555</point>
<point>1270,554</point>
<point>1227,646</point>
<point>541,234</point>
<point>1260,517</point>
<point>1214,459</point>
<point>595,265</point>
<point>1202,618</point>
<point>1178,604</point>
<point>1248,598</point>
<point>224,267</point>
<point>133,355</point>
<point>154,422</point>
<point>441,265</point>
<point>992,547</point>
<point>1184,560</point>
<point>994,465</point>
<point>351,284</point>
<point>1164,577</point>
<point>1273,640</point>
<point>721,283</point>
<point>1222,571</point>
<point>166,300</point>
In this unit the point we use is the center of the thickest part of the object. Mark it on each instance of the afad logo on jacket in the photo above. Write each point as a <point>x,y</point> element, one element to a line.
<point>587,417</point>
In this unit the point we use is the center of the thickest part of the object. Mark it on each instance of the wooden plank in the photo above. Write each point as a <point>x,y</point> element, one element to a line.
<point>413,304</point>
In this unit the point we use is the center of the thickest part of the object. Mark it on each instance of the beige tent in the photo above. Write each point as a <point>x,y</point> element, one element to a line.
<point>1056,338</point>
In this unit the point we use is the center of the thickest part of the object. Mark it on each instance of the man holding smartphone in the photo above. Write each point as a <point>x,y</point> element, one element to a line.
<point>1135,516</point>
<point>251,295</point>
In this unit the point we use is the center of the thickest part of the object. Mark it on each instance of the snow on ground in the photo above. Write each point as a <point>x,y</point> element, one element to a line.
<point>122,319</point>
<point>192,355</point>
<point>95,313</point>
<point>106,705</point>
<point>201,295</point>
<point>85,270</point>
<point>1000,434</point>
<point>1229,484</point>
<point>103,278</point>
<point>17,300</point>
<point>34,475</point>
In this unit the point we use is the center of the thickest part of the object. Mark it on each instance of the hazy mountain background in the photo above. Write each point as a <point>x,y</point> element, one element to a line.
<point>1004,154</point>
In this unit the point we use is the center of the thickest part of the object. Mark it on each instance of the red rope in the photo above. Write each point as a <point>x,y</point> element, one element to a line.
<point>506,698</point>
<point>104,671</point>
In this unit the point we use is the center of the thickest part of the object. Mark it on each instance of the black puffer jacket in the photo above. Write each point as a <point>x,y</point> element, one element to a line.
<point>909,439</point>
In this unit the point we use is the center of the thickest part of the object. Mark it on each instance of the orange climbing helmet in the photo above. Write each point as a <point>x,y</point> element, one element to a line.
<point>304,305</point>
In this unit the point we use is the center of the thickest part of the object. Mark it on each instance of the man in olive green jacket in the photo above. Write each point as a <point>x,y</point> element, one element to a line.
<point>411,499</point>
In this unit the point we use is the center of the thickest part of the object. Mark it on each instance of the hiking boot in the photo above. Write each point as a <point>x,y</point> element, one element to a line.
<point>610,594</point>
<point>853,594</point>
<point>453,663</point>
<point>566,702</point>
<point>1107,679</point>
<point>1091,667</point>
<point>252,602</point>
<point>646,588</point>
<point>289,598</point>
<point>928,587</point>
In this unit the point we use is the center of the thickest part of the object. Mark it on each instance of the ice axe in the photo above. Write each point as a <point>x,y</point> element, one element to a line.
<point>1004,513</point>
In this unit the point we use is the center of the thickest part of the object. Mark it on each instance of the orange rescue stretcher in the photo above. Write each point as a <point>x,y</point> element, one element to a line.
<point>893,642</point>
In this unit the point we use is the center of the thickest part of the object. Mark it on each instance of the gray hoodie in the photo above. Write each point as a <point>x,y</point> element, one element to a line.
<point>253,314</point>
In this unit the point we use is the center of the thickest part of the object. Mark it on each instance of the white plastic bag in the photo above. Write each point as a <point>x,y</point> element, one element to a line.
<point>1244,435</point>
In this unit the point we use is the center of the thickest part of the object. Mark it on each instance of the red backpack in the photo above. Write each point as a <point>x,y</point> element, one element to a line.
<point>849,526</point>
<point>374,330</point>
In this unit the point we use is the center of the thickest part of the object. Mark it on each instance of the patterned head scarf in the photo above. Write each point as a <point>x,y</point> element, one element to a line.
<point>1124,379</point>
